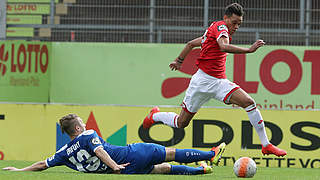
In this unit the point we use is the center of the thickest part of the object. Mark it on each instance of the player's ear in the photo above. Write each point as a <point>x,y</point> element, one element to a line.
<point>225,17</point>
<point>77,128</point>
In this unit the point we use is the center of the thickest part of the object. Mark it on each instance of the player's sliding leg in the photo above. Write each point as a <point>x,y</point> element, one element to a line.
<point>242,99</point>
<point>187,170</point>
<point>166,168</point>
<point>169,118</point>
<point>206,169</point>
<point>218,151</point>
<point>194,155</point>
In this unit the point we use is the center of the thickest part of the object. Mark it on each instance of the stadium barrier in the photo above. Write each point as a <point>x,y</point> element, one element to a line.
<point>277,77</point>
<point>29,12</point>
<point>31,132</point>
<point>131,75</point>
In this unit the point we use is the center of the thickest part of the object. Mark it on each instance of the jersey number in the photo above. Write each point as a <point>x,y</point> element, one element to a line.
<point>204,37</point>
<point>93,161</point>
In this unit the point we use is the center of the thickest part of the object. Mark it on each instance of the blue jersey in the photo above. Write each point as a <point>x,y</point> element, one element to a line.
<point>79,154</point>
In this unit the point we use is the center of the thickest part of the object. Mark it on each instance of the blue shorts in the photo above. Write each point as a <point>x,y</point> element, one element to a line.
<point>142,158</point>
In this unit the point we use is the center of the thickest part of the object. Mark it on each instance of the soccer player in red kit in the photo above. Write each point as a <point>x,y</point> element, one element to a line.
<point>210,79</point>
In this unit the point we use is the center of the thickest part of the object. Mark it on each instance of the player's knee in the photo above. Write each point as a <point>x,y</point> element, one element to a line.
<point>250,106</point>
<point>247,102</point>
<point>183,124</point>
<point>165,168</point>
<point>183,121</point>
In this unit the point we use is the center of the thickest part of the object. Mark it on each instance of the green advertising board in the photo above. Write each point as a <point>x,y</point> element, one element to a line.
<point>20,32</point>
<point>31,1</point>
<point>24,19</point>
<point>24,71</point>
<point>106,73</point>
<point>19,8</point>
<point>280,77</point>
<point>277,77</point>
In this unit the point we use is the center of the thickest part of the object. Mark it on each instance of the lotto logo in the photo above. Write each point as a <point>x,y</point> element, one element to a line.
<point>24,58</point>
<point>3,60</point>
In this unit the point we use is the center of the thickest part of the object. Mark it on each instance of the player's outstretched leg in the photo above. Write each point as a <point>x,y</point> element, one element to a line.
<point>194,155</point>
<point>257,122</point>
<point>148,120</point>
<point>218,151</point>
<point>242,99</point>
<point>206,169</point>
<point>166,168</point>
<point>271,149</point>
<point>191,155</point>
<point>168,118</point>
<point>187,170</point>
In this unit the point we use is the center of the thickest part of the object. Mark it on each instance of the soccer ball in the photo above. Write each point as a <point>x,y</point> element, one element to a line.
<point>245,167</point>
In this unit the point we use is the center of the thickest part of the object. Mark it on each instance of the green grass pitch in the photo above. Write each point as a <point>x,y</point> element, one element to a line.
<point>220,173</point>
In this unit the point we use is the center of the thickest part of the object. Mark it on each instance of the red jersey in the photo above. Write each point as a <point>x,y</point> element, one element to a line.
<point>213,61</point>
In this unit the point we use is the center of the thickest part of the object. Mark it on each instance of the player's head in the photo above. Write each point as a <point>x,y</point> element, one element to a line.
<point>72,124</point>
<point>233,17</point>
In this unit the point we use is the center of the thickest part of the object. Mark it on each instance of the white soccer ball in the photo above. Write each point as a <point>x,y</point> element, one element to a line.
<point>245,167</point>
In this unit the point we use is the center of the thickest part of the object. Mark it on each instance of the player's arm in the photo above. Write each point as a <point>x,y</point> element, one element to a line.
<point>106,159</point>
<point>38,166</point>
<point>225,46</point>
<point>176,64</point>
<point>189,46</point>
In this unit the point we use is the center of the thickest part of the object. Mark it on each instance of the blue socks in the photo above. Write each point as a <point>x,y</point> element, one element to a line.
<point>188,156</point>
<point>186,170</point>
<point>192,155</point>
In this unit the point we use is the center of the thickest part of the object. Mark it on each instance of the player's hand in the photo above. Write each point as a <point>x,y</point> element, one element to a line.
<point>256,45</point>
<point>175,65</point>
<point>119,167</point>
<point>10,169</point>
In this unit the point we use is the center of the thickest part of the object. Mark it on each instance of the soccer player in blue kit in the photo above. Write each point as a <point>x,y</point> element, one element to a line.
<point>87,152</point>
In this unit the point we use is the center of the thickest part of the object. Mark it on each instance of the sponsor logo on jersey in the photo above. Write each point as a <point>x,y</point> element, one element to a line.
<point>95,141</point>
<point>222,27</point>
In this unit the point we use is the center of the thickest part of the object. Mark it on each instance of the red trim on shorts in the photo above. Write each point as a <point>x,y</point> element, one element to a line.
<point>227,96</point>
<point>184,107</point>
<point>174,121</point>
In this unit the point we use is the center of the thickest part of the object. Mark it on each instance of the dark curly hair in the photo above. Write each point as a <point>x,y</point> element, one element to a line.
<point>234,8</point>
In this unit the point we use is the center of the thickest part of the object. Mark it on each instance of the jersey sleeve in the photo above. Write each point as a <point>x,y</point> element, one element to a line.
<point>221,30</point>
<point>94,141</point>
<point>56,159</point>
